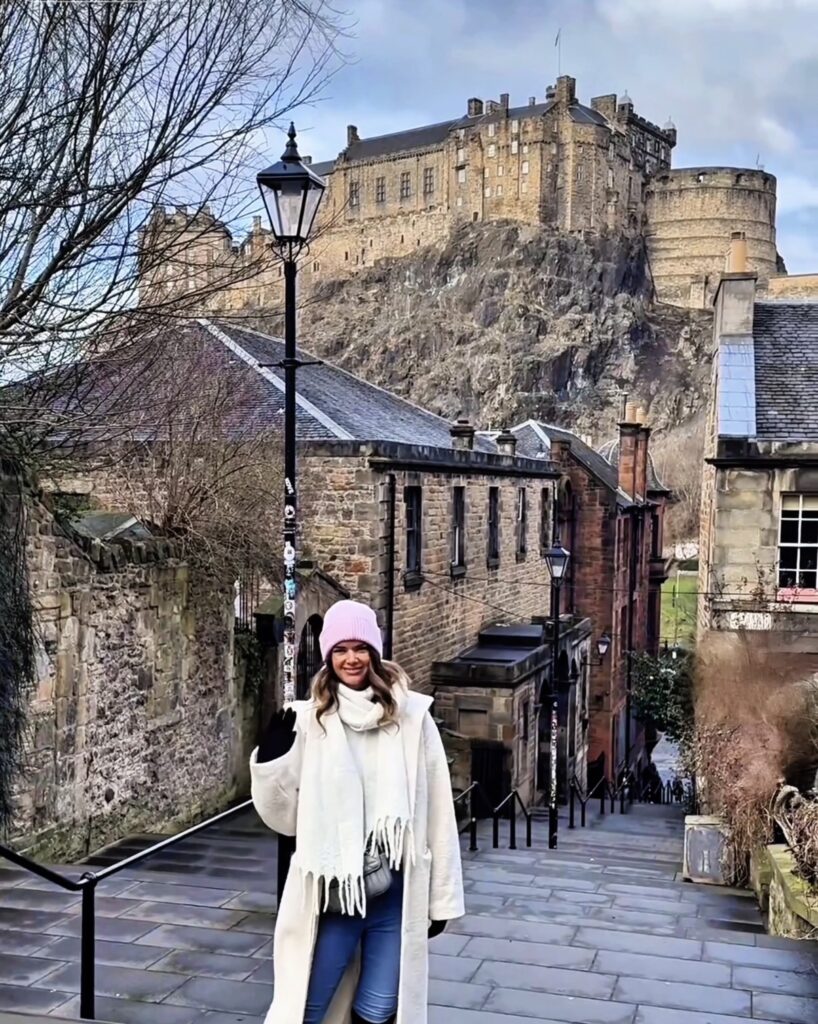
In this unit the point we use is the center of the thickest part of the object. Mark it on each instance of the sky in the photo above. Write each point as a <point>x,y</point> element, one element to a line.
<point>738,77</point>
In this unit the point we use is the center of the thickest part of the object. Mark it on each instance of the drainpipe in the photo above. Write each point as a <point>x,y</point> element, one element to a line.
<point>390,581</point>
<point>636,540</point>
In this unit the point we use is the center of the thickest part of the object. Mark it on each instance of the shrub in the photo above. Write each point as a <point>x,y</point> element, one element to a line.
<point>756,724</point>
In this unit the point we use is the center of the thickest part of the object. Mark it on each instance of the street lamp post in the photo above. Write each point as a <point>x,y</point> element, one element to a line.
<point>291,193</point>
<point>556,560</point>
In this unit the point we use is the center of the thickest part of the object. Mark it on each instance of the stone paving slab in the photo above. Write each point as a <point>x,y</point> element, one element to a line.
<point>601,931</point>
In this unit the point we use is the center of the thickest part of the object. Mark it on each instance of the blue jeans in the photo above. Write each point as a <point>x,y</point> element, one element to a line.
<point>376,998</point>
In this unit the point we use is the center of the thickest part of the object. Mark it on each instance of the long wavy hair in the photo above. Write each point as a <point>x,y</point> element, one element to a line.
<point>383,677</point>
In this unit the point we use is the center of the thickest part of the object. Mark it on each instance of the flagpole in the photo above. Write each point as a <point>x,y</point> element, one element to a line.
<point>558,44</point>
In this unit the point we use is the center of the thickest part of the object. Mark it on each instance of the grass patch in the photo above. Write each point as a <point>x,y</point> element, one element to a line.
<point>679,608</point>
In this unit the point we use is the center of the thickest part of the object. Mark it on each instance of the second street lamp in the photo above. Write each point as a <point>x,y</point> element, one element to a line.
<point>292,194</point>
<point>556,560</point>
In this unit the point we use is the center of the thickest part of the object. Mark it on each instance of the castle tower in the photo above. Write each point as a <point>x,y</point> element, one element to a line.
<point>691,214</point>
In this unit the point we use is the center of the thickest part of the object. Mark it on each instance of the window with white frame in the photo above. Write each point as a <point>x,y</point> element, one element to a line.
<point>460,200</point>
<point>524,168</point>
<point>492,150</point>
<point>487,191</point>
<point>525,149</point>
<point>461,175</point>
<point>405,185</point>
<point>500,170</point>
<point>515,127</point>
<point>522,524</point>
<point>492,130</point>
<point>524,187</point>
<point>515,145</point>
<point>798,542</point>
<point>486,172</point>
<point>461,156</point>
<point>499,190</point>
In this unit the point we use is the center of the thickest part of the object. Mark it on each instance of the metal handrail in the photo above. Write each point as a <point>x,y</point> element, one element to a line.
<point>87,885</point>
<point>512,798</point>
<point>575,790</point>
<point>471,824</point>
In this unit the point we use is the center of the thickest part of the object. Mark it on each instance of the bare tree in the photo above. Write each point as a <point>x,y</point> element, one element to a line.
<point>112,111</point>
<point>198,453</point>
<point>678,457</point>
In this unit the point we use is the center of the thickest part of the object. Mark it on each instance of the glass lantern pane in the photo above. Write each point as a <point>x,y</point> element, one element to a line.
<point>270,202</point>
<point>289,203</point>
<point>312,200</point>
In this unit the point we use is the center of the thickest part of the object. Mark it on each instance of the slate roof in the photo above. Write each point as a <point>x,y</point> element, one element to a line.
<point>534,438</point>
<point>336,405</point>
<point>785,338</point>
<point>436,134</point>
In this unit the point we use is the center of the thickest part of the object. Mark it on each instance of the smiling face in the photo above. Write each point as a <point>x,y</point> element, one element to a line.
<point>350,663</point>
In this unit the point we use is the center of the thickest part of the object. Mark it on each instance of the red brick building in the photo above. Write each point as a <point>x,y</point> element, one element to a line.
<point>610,516</point>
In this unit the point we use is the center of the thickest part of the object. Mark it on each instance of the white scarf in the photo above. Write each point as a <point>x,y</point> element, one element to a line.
<point>334,827</point>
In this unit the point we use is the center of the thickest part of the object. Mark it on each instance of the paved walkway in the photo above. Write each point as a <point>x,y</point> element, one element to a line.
<point>600,931</point>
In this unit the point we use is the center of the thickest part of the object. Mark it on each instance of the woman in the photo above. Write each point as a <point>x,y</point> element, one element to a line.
<point>359,776</point>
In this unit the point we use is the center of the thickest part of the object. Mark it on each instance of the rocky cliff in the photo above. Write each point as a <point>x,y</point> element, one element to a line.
<point>508,321</point>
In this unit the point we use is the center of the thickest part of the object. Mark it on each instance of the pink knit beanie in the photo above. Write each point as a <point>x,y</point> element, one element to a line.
<point>350,620</point>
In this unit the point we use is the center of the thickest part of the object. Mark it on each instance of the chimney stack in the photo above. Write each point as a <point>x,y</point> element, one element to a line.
<point>737,254</point>
<point>506,443</point>
<point>504,100</point>
<point>566,91</point>
<point>629,432</point>
<point>642,439</point>
<point>256,225</point>
<point>532,101</point>
<point>352,134</point>
<point>475,107</point>
<point>550,92</point>
<point>462,435</point>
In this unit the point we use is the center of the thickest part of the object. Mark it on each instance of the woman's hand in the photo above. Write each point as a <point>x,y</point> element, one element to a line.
<point>279,737</point>
<point>436,928</point>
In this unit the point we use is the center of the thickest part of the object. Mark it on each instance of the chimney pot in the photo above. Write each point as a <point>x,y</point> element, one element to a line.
<point>506,443</point>
<point>352,134</point>
<point>737,254</point>
<point>532,101</point>
<point>631,413</point>
<point>475,107</point>
<point>462,433</point>
<point>550,92</point>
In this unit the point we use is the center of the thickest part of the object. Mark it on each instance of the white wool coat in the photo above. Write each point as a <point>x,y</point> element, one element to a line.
<point>433,884</point>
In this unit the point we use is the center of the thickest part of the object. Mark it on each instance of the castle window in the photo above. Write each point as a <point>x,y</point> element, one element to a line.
<point>405,185</point>
<point>579,172</point>
<point>460,200</point>
<point>486,172</point>
<point>354,193</point>
<point>316,267</point>
<point>487,191</point>
<point>461,176</point>
<point>499,190</point>
<point>515,145</point>
<point>461,156</point>
<point>346,255</point>
<point>524,168</point>
<point>492,130</point>
<point>492,150</point>
<point>524,187</point>
<point>500,170</point>
<point>428,180</point>
<point>525,149</point>
<point>611,150</point>
<point>380,190</point>
<point>515,127</point>
<point>610,178</point>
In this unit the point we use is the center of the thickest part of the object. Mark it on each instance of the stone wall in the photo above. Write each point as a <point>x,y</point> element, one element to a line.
<point>792,286</point>
<point>138,722</point>
<point>486,713</point>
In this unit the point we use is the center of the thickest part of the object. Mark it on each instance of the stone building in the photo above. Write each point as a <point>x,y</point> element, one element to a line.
<point>759,522</point>
<point>142,715</point>
<point>440,528</point>
<point>555,161</point>
<point>610,516</point>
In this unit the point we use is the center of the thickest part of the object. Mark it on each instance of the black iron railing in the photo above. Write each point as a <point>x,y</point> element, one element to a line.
<point>87,885</point>
<point>577,793</point>
<point>506,808</point>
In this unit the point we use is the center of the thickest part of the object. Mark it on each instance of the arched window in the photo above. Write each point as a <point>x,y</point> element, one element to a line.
<point>309,656</point>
